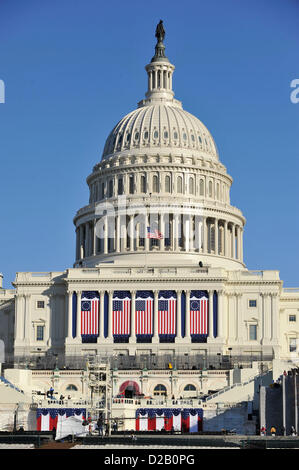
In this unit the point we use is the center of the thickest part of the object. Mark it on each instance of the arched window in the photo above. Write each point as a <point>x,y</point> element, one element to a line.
<point>190,388</point>
<point>160,390</point>
<point>218,191</point>
<point>143,184</point>
<point>180,184</point>
<point>120,186</point>
<point>201,188</point>
<point>210,189</point>
<point>71,388</point>
<point>155,184</point>
<point>167,184</point>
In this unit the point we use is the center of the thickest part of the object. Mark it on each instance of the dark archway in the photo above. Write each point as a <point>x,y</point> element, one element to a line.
<point>129,389</point>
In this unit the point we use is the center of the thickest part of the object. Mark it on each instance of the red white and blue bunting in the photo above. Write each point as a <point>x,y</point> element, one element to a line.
<point>48,418</point>
<point>176,419</point>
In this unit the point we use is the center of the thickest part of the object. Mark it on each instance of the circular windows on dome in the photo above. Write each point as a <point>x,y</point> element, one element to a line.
<point>175,135</point>
<point>136,136</point>
<point>145,135</point>
<point>165,135</point>
<point>199,139</point>
<point>128,137</point>
<point>192,138</point>
<point>184,136</point>
<point>156,134</point>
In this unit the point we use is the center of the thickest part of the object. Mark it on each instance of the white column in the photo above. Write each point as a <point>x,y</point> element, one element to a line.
<point>70,315</point>
<point>77,244</point>
<point>94,238</point>
<point>241,243</point>
<point>220,314</point>
<point>231,321</point>
<point>131,232</point>
<point>146,240</point>
<point>275,317</point>
<point>187,316</point>
<point>186,222</point>
<point>118,234</point>
<point>155,335</point>
<point>133,310</point>
<point>233,242</point>
<point>86,240</point>
<point>175,231</point>
<point>106,234</point>
<point>110,313</point>
<point>101,336</point>
<point>211,319</point>
<point>225,244</point>
<point>78,322</point>
<point>179,315</point>
<point>81,242</point>
<point>205,234</point>
<point>162,230</point>
<point>239,317</point>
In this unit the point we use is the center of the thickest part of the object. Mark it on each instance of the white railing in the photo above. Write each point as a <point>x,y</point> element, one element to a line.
<point>238,384</point>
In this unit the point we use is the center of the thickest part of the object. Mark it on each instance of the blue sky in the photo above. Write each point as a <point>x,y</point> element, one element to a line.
<point>72,69</point>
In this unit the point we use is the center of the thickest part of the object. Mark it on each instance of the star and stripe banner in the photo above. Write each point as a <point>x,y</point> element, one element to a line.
<point>199,309</point>
<point>153,233</point>
<point>156,419</point>
<point>89,315</point>
<point>167,305</point>
<point>49,418</point>
<point>144,313</point>
<point>121,314</point>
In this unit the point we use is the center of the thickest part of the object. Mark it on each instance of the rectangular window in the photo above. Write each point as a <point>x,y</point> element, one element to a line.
<point>143,184</point>
<point>292,318</point>
<point>252,332</point>
<point>39,333</point>
<point>131,185</point>
<point>252,303</point>
<point>120,186</point>
<point>293,345</point>
<point>40,304</point>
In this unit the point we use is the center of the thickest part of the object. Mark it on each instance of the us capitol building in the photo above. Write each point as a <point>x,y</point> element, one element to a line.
<point>159,270</point>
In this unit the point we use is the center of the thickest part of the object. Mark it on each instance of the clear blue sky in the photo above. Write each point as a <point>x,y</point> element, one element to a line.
<point>73,68</point>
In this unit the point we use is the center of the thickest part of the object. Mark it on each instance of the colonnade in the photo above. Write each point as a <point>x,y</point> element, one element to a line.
<point>188,233</point>
<point>214,330</point>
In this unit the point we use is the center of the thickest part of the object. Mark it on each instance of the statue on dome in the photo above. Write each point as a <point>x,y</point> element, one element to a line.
<point>160,31</point>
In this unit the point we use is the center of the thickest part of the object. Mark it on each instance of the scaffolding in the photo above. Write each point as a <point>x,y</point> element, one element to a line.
<point>99,382</point>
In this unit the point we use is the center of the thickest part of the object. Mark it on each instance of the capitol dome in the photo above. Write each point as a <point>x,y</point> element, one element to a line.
<point>163,126</point>
<point>164,163</point>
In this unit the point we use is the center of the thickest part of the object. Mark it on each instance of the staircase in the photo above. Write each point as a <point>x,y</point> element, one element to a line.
<point>238,392</point>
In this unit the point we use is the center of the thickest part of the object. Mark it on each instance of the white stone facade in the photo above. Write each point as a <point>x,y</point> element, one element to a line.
<point>160,168</point>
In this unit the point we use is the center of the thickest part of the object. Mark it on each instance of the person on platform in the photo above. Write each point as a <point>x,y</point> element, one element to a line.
<point>273,431</point>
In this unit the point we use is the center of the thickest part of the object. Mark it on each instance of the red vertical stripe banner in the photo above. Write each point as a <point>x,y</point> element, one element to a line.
<point>90,316</point>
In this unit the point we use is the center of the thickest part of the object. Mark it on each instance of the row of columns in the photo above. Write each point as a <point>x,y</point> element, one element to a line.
<point>179,185</point>
<point>155,315</point>
<point>201,234</point>
<point>159,79</point>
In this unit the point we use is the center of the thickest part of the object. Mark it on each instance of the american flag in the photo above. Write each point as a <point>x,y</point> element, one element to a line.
<point>144,316</point>
<point>199,316</point>
<point>153,233</point>
<point>121,316</point>
<point>167,317</point>
<point>90,316</point>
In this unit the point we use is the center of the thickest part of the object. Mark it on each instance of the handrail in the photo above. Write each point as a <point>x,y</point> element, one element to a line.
<point>237,384</point>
